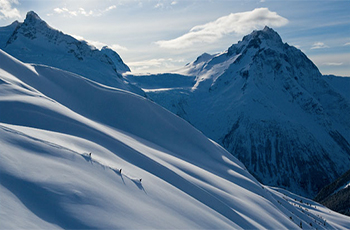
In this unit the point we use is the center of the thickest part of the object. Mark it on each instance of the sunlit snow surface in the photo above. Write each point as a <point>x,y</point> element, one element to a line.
<point>50,120</point>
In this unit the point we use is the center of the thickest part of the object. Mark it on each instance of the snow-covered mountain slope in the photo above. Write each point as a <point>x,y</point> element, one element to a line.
<point>269,105</point>
<point>336,195</point>
<point>50,120</point>
<point>34,41</point>
<point>341,84</point>
<point>117,60</point>
<point>6,32</point>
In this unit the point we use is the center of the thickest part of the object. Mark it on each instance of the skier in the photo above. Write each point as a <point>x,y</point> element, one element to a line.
<point>140,179</point>
<point>90,155</point>
<point>120,171</point>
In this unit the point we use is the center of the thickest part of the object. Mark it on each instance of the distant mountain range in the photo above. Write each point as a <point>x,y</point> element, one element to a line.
<point>262,100</point>
<point>267,104</point>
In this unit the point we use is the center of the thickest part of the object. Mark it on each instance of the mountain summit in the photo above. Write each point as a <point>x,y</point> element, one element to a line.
<point>34,41</point>
<point>267,104</point>
<point>32,18</point>
<point>258,39</point>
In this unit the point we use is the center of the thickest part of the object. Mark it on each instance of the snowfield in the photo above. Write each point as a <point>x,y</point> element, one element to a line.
<point>50,120</point>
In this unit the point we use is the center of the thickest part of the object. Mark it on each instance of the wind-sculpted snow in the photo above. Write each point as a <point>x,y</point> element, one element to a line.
<point>34,41</point>
<point>267,104</point>
<point>172,176</point>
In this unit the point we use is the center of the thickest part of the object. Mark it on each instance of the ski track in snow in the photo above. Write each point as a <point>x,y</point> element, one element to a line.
<point>85,155</point>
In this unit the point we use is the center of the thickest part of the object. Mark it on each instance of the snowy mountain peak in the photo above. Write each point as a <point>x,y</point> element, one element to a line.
<point>106,48</point>
<point>6,32</point>
<point>266,38</point>
<point>33,24</point>
<point>14,24</point>
<point>260,45</point>
<point>271,34</point>
<point>34,41</point>
<point>32,18</point>
<point>203,58</point>
<point>32,28</point>
<point>267,34</point>
<point>122,67</point>
<point>268,104</point>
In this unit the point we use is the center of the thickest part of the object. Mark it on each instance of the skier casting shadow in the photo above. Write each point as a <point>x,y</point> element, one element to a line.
<point>88,157</point>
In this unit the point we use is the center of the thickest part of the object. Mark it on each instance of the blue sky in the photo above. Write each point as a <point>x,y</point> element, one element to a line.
<point>159,36</point>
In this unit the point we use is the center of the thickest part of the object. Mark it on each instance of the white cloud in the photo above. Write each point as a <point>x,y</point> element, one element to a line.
<point>81,11</point>
<point>65,11</point>
<point>59,10</point>
<point>165,4</point>
<point>96,44</point>
<point>117,47</point>
<point>333,63</point>
<point>319,45</point>
<point>7,10</point>
<point>77,37</point>
<point>159,5</point>
<point>99,45</point>
<point>347,44</point>
<point>147,63</point>
<point>239,23</point>
<point>110,8</point>
<point>157,63</point>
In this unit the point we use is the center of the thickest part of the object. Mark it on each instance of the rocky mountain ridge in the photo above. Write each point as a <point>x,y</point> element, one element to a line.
<point>34,41</point>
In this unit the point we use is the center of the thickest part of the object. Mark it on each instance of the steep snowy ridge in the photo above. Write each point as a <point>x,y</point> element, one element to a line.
<point>341,84</point>
<point>336,195</point>
<point>50,122</point>
<point>269,105</point>
<point>6,32</point>
<point>118,62</point>
<point>34,41</point>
